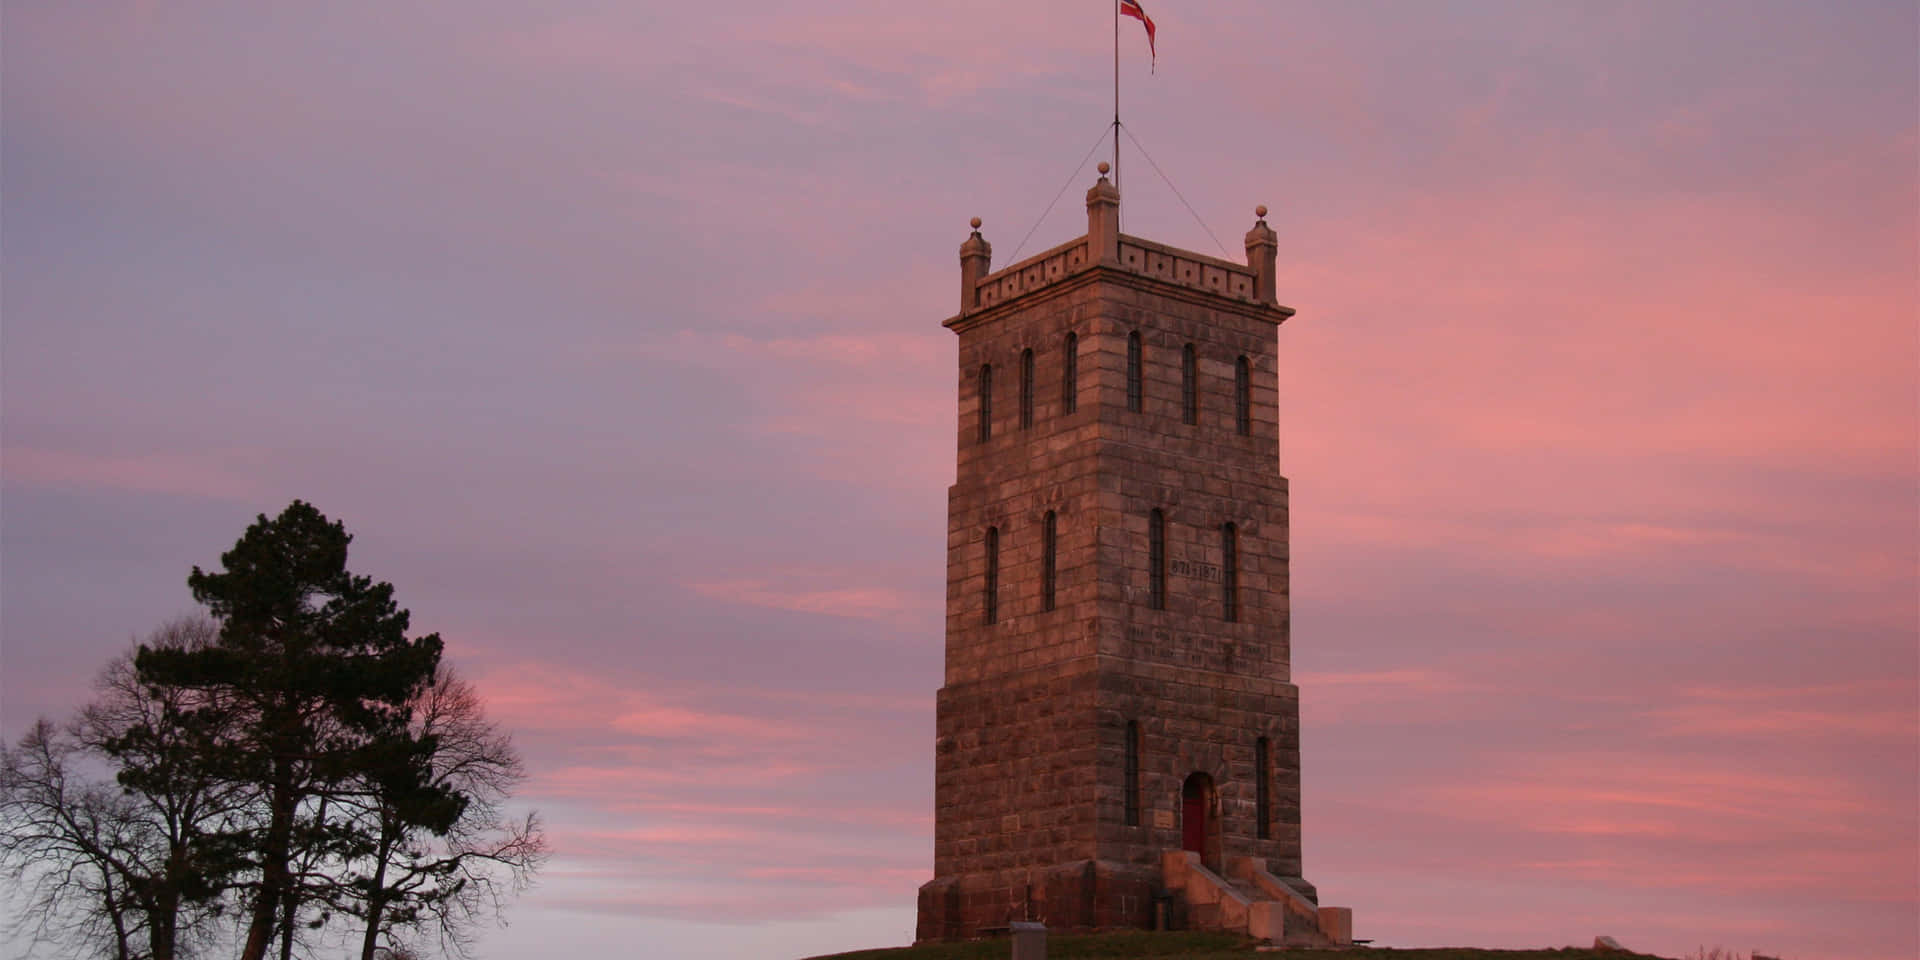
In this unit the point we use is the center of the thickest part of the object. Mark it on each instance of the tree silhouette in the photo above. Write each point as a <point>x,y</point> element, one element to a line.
<point>317,664</point>
<point>421,883</point>
<point>293,765</point>
<point>124,866</point>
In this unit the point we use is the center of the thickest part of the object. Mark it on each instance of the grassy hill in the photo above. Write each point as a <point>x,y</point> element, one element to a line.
<point>1205,946</point>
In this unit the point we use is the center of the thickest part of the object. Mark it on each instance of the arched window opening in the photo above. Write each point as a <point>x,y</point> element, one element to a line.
<point>1049,554</point>
<point>1026,388</point>
<point>1243,397</point>
<point>1157,560</point>
<point>1132,764</point>
<point>1070,375</point>
<point>1134,392</point>
<point>1263,788</point>
<point>992,598</point>
<point>986,402</point>
<point>1189,386</point>
<point>1230,572</point>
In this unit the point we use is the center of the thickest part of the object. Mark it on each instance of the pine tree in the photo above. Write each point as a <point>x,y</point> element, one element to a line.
<point>317,665</point>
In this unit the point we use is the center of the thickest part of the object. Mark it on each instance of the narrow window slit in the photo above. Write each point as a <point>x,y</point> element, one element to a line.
<point>1026,388</point>
<point>1242,397</point>
<point>1133,773</point>
<point>1263,788</point>
<point>1133,372</point>
<point>1157,560</point>
<point>992,598</point>
<point>1070,375</point>
<point>986,402</point>
<point>1230,572</point>
<point>1049,555</point>
<point>1189,386</point>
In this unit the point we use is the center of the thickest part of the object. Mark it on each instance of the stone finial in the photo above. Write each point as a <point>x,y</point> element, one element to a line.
<point>976,259</point>
<point>1103,168</point>
<point>1103,220</point>
<point>1263,245</point>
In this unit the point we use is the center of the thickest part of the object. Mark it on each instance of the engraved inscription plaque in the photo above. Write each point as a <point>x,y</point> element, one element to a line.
<point>1197,571</point>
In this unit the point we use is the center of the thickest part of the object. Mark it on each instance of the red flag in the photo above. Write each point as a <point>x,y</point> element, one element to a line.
<point>1133,9</point>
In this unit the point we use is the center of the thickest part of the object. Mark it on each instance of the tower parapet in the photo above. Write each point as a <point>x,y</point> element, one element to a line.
<point>1104,245</point>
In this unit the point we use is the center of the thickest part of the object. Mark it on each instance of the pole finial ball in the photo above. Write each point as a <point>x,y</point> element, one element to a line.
<point>1103,168</point>
<point>1260,211</point>
<point>975,223</point>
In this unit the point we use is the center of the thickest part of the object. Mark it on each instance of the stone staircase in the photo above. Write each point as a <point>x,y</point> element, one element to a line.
<point>1253,902</point>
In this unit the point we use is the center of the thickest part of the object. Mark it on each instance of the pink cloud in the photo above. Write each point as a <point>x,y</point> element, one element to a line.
<point>722,901</point>
<point>883,878</point>
<point>1584,792</point>
<point>842,349</point>
<point>665,768</point>
<point>1712,361</point>
<point>862,603</point>
<point>633,743</point>
<point>888,816</point>
<point>750,846</point>
<point>614,842</point>
<point>840,702</point>
<point>837,390</point>
<point>1387,682</point>
<point>219,475</point>
<point>542,697</point>
<point>708,868</point>
<point>1380,696</point>
<point>813,48</point>
<point>1852,713</point>
<point>1722,719</point>
<point>655,720</point>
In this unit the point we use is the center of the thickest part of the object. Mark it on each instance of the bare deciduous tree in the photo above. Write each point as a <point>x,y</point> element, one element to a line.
<point>416,884</point>
<point>61,840</point>
<point>119,867</point>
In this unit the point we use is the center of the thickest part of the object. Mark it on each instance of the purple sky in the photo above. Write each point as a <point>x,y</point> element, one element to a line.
<point>612,332</point>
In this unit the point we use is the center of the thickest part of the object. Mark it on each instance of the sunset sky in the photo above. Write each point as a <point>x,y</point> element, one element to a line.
<point>612,332</point>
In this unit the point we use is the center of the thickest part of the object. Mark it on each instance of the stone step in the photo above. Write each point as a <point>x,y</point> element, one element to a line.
<point>1203,916</point>
<point>1305,938</point>
<point>1251,903</point>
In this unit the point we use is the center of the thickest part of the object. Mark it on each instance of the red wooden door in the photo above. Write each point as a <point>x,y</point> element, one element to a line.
<point>1193,816</point>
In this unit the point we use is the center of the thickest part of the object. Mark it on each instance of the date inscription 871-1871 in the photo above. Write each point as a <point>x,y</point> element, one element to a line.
<point>1197,571</point>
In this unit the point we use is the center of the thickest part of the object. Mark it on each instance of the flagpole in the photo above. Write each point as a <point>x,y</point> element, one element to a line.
<point>1116,94</point>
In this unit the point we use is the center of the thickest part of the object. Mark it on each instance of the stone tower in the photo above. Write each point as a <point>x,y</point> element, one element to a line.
<point>1118,736</point>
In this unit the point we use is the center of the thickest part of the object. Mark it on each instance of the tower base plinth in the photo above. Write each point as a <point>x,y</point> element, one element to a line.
<point>1077,897</point>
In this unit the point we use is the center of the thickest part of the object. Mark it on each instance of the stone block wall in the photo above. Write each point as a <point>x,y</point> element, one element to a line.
<point>1190,724</point>
<point>1014,773</point>
<point>1010,482</point>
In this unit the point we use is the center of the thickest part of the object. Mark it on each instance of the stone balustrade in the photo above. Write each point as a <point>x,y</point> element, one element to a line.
<point>1219,277</point>
<point>1033,273</point>
<point>1144,257</point>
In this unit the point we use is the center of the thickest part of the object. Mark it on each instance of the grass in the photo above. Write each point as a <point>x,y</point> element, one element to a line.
<point>1203,946</point>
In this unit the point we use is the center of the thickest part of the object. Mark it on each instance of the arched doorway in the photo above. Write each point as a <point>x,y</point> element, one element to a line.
<point>1196,816</point>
